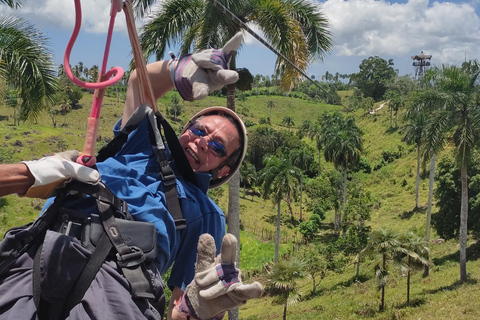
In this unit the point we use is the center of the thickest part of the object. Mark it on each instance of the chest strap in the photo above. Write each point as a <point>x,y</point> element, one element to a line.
<point>156,122</point>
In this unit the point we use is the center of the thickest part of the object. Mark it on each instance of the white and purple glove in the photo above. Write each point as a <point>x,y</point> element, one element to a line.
<point>217,286</point>
<point>51,172</point>
<point>196,75</point>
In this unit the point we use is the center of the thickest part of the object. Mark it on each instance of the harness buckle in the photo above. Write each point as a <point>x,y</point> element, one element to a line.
<point>132,259</point>
<point>167,174</point>
<point>73,228</point>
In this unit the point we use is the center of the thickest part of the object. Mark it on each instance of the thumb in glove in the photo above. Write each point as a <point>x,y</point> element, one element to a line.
<point>196,75</point>
<point>50,172</point>
<point>217,286</point>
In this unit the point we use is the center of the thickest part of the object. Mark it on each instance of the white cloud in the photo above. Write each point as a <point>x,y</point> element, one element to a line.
<point>60,14</point>
<point>368,27</point>
<point>448,30</point>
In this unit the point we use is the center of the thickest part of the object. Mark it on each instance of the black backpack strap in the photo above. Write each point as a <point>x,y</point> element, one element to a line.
<point>176,150</point>
<point>166,172</point>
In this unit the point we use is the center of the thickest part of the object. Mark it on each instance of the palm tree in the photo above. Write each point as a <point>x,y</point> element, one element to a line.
<point>270,106</point>
<point>11,100</point>
<point>80,68</point>
<point>282,282</point>
<point>458,112</point>
<point>94,72</point>
<point>396,103</point>
<point>413,134</point>
<point>303,160</point>
<point>427,101</point>
<point>314,132</point>
<point>12,3</point>
<point>27,65</point>
<point>86,72</point>
<point>417,255</point>
<point>288,121</point>
<point>343,146</point>
<point>247,175</point>
<point>279,180</point>
<point>386,246</point>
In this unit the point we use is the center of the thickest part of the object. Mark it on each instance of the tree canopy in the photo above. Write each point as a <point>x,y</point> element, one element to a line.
<point>373,77</point>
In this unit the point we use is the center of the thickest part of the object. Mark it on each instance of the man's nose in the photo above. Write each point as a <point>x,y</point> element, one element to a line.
<point>203,142</point>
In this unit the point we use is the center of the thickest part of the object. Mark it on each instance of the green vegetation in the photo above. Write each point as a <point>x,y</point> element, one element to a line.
<point>336,280</point>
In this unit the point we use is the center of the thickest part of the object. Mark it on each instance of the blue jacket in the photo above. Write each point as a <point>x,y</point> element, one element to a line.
<point>132,175</point>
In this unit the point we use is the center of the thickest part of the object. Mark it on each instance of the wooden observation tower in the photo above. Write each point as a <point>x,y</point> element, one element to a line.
<point>421,62</point>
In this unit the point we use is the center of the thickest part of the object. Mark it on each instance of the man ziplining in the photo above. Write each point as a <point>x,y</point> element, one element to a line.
<point>214,142</point>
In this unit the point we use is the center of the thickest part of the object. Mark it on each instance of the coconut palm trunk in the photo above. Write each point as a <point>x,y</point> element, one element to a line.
<point>277,232</point>
<point>408,280</point>
<point>233,190</point>
<point>342,214</point>
<point>417,182</point>
<point>429,208</point>
<point>384,266</point>
<point>463,224</point>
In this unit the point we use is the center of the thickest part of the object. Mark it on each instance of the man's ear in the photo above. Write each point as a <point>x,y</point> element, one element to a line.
<point>223,171</point>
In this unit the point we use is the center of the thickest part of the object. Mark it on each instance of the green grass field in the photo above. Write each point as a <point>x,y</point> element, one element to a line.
<point>438,296</point>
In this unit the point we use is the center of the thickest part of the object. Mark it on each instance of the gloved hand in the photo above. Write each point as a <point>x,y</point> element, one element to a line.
<point>217,286</point>
<point>196,75</point>
<point>50,172</point>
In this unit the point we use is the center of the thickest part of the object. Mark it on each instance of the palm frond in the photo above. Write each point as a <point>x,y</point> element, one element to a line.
<point>27,64</point>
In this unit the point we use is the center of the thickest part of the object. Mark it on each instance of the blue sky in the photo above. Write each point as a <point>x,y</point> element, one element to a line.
<point>448,30</point>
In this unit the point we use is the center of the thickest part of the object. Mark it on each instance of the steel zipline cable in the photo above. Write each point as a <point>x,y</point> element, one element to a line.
<point>266,44</point>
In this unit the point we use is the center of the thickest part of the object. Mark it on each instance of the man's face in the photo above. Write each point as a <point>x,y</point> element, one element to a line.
<point>209,142</point>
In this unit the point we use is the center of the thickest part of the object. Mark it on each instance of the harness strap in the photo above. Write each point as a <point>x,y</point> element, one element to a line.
<point>88,274</point>
<point>176,149</point>
<point>130,259</point>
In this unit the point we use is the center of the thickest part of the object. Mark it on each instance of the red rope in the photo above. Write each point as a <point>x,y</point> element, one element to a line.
<point>145,90</point>
<point>104,81</point>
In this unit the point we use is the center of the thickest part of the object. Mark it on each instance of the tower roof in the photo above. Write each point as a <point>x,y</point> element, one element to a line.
<point>422,56</point>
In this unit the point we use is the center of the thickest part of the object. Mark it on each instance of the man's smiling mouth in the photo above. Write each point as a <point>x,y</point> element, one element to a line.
<point>193,154</point>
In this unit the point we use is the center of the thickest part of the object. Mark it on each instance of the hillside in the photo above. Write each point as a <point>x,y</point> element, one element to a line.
<point>392,186</point>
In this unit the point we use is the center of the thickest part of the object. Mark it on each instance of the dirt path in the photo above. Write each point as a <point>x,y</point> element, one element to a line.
<point>380,107</point>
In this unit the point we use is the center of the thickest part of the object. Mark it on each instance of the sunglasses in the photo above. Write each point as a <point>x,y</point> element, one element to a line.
<point>218,149</point>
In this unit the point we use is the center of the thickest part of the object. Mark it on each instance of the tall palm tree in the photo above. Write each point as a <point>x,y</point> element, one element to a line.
<point>427,101</point>
<point>270,106</point>
<point>248,175</point>
<point>413,134</point>
<point>459,112</point>
<point>279,180</point>
<point>27,64</point>
<point>343,146</point>
<point>314,132</point>
<point>303,160</point>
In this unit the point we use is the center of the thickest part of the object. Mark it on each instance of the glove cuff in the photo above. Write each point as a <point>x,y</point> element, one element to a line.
<point>184,306</point>
<point>184,87</point>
